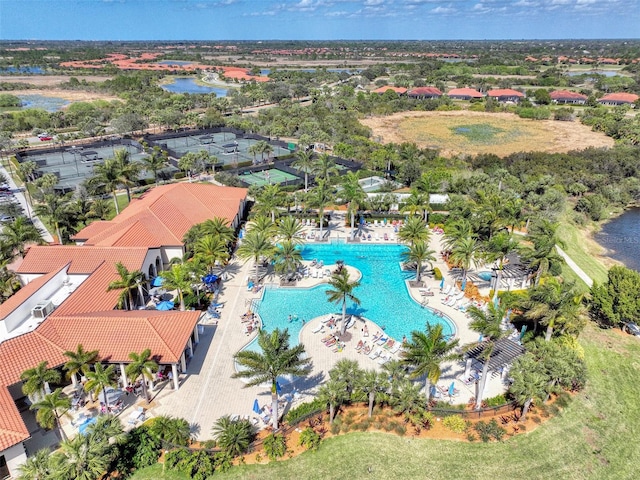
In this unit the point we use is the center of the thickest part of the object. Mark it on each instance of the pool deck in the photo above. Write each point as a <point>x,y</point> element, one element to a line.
<point>207,390</point>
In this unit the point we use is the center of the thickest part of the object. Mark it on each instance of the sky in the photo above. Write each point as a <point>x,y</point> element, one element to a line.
<point>317,19</point>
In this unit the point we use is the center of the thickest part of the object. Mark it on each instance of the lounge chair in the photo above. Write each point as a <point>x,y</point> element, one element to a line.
<point>389,344</point>
<point>314,274</point>
<point>377,237</point>
<point>382,340</point>
<point>386,237</point>
<point>383,359</point>
<point>373,355</point>
<point>395,348</point>
<point>375,223</point>
<point>318,328</point>
<point>447,290</point>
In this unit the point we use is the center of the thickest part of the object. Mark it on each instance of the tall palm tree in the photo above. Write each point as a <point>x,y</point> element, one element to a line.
<point>18,233</point>
<point>142,365</point>
<point>37,467</point>
<point>353,193</point>
<point>555,304</point>
<point>274,359</point>
<point>9,282</point>
<point>178,278</point>
<point>373,384</point>
<point>425,352</point>
<point>128,171</point>
<point>334,393</point>
<point>419,253</point>
<point>262,223</point>
<point>255,246</point>
<point>212,250</point>
<point>543,256</point>
<point>79,362</point>
<point>348,371</point>
<point>304,162</point>
<point>487,323</point>
<point>321,196</point>
<point>83,459</point>
<point>51,408</point>
<point>217,226</point>
<point>324,168</point>
<point>36,380</point>
<point>414,230</point>
<point>417,204</point>
<point>463,254</point>
<point>290,229</point>
<point>107,175</point>
<point>529,382</point>
<point>407,400</point>
<point>455,231</point>
<point>99,379</point>
<point>128,282</point>
<point>155,162</point>
<point>55,208</point>
<point>497,249</point>
<point>341,289</point>
<point>269,199</point>
<point>287,258</point>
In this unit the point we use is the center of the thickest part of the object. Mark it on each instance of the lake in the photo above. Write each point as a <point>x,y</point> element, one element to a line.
<point>606,73</point>
<point>50,104</point>
<point>189,85</point>
<point>28,70</point>
<point>621,238</point>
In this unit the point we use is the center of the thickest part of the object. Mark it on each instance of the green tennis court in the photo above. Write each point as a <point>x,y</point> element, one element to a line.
<point>267,177</point>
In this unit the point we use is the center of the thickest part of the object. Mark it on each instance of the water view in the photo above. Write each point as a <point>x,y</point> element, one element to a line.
<point>27,70</point>
<point>189,85</point>
<point>50,104</point>
<point>621,238</point>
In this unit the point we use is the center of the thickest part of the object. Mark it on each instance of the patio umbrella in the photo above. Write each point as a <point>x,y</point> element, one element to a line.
<point>165,305</point>
<point>157,282</point>
<point>256,407</point>
<point>278,388</point>
<point>442,283</point>
<point>464,284</point>
<point>113,395</point>
<point>210,278</point>
<point>157,291</point>
<point>452,389</point>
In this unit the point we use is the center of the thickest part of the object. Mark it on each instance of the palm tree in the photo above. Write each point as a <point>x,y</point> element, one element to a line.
<point>269,199</point>
<point>463,253</point>
<point>107,174</point>
<point>255,246</point>
<point>321,197</point>
<point>373,384</point>
<point>9,283</point>
<point>417,204</point>
<point>99,379</point>
<point>79,362</point>
<point>354,194</point>
<point>287,258</point>
<point>529,382</point>
<point>262,223</point>
<point>82,459</point>
<point>456,231</point>
<point>233,436</point>
<point>487,323</point>
<point>425,353</point>
<point>155,162</point>
<point>254,150</point>
<point>212,250</point>
<point>497,249</point>
<point>142,365</point>
<point>543,256</point>
<point>18,233</point>
<point>178,278</point>
<point>217,226</point>
<point>55,208</point>
<point>128,282</point>
<point>555,303</point>
<point>407,400</point>
<point>265,148</point>
<point>174,431</point>
<point>36,380</point>
<point>128,171</point>
<point>51,408</point>
<point>276,358</point>
<point>414,230</point>
<point>334,393</point>
<point>419,253</point>
<point>304,162</point>
<point>37,467</point>
<point>342,290</point>
<point>347,371</point>
<point>324,168</point>
<point>290,229</point>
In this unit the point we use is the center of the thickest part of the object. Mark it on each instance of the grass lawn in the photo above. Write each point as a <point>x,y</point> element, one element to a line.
<point>595,437</point>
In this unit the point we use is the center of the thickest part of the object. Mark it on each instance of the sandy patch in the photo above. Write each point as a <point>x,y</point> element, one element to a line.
<point>49,80</point>
<point>436,130</point>
<point>70,95</point>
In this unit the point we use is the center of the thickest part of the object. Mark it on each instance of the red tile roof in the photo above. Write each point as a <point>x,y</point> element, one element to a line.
<point>562,94</point>
<point>164,214</point>
<point>12,428</point>
<point>22,295</point>
<point>464,92</point>
<point>389,87</point>
<point>619,97</point>
<point>504,92</point>
<point>420,91</point>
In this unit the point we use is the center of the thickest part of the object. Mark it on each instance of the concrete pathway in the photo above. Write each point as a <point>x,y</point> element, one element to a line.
<point>574,266</point>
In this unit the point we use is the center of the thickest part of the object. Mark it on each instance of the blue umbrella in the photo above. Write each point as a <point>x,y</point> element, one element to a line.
<point>165,305</point>
<point>256,407</point>
<point>278,388</point>
<point>157,282</point>
<point>210,278</point>
<point>452,389</point>
<point>442,283</point>
<point>464,284</point>
<point>84,425</point>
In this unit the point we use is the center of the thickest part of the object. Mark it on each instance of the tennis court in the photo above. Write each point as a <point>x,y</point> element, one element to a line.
<point>267,177</point>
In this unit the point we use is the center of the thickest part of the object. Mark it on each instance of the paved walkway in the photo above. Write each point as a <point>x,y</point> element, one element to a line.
<point>574,266</point>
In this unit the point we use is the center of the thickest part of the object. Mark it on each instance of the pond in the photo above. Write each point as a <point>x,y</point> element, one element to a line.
<point>50,104</point>
<point>606,73</point>
<point>621,238</point>
<point>189,85</point>
<point>28,70</point>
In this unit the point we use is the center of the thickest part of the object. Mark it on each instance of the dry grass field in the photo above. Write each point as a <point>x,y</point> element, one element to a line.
<point>464,132</point>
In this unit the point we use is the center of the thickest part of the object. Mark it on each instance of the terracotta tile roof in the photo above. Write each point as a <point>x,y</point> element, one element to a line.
<point>93,229</point>
<point>22,295</point>
<point>389,87</point>
<point>83,259</point>
<point>619,97</point>
<point>562,94</point>
<point>12,428</point>
<point>464,92</point>
<point>433,91</point>
<point>164,214</point>
<point>26,351</point>
<point>504,92</point>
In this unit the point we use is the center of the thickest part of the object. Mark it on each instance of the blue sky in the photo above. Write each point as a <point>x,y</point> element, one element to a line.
<point>317,19</point>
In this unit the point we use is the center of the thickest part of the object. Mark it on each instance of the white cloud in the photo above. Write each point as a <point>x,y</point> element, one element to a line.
<point>372,3</point>
<point>443,10</point>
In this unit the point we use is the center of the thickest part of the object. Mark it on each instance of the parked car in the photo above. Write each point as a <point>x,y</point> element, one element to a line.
<point>631,328</point>
<point>45,138</point>
<point>6,218</point>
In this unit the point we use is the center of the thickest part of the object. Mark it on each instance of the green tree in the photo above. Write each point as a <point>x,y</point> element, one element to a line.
<point>37,467</point>
<point>54,208</point>
<point>324,168</point>
<point>419,253</point>
<point>290,230</point>
<point>287,259</point>
<point>341,289</point>
<point>269,200</point>
<point>172,431</point>
<point>178,278</point>
<point>142,365</point>
<point>155,162</point>
<point>127,170</point>
<point>617,300</point>
<point>417,204</point>
<point>255,246</point>
<point>355,196</point>
<point>212,250</point>
<point>18,233</point>
<point>82,459</point>
<point>99,379</point>
<point>107,175</point>
<point>542,256</point>
<point>374,385</point>
<point>529,382</point>
<point>128,282</point>
<point>497,249</point>
<point>233,436</point>
<point>304,162</point>
<point>274,359</point>
<point>425,352</point>
<point>50,409</point>
<point>79,362</point>
<point>414,230</point>
<point>463,254</point>
<point>334,393</point>
<point>36,380</point>
<point>320,197</point>
<point>348,371</point>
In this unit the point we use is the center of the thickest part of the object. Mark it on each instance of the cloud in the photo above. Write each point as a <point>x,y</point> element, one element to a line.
<point>372,3</point>
<point>443,10</point>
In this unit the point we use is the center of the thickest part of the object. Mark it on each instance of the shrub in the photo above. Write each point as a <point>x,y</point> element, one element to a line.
<point>309,439</point>
<point>400,429</point>
<point>455,423</point>
<point>437,274</point>
<point>488,431</point>
<point>179,175</point>
<point>275,446</point>
<point>335,428</point>
<point>496,401</point>
<point>197,464</point>
<point>141,449</point>
<point>298,413</point>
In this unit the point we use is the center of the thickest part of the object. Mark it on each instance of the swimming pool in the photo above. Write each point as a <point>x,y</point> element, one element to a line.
<point>383,294</point>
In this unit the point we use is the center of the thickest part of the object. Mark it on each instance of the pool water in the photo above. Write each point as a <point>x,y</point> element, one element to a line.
<point>383,294</point>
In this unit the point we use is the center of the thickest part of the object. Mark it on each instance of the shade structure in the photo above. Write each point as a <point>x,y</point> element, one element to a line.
<point>464,285</point>
<point>113,395</point>
<point>157,291</point>
<point>256,406</point>
<point>452,389</point>
<point>442,283</point>
<point>210,278</point>
<point>165,305</point>
<point>278,388</point>
<point>157,282</point>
